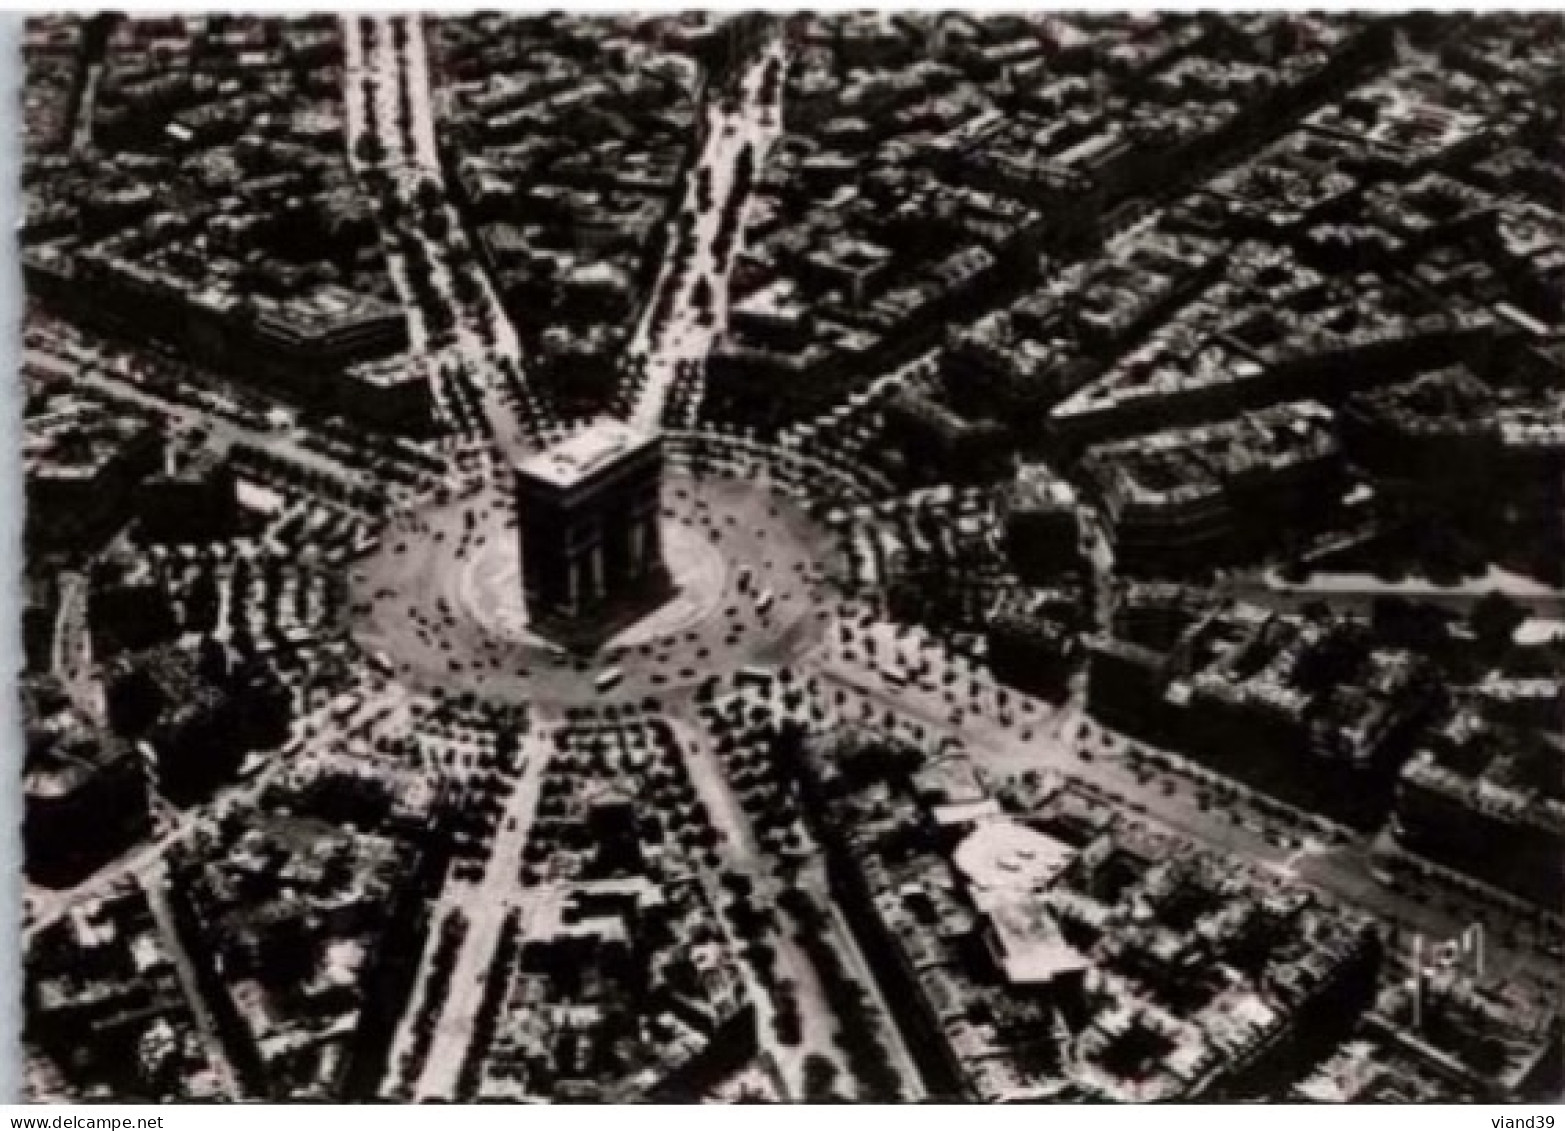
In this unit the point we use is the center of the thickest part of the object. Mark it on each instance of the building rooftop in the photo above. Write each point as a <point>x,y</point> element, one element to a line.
<point>1003,856</point>
<point>1029,945</point>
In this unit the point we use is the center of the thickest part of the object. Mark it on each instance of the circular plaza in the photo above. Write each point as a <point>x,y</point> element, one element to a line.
<point>440,600</point>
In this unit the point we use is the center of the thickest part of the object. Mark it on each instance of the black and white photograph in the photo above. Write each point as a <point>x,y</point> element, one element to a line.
<point>791,557</point>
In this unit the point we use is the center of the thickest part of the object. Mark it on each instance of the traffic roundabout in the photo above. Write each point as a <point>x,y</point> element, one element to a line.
<point>439,600</point>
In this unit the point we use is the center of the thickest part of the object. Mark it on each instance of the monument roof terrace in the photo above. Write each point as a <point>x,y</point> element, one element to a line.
<point>581,457</point>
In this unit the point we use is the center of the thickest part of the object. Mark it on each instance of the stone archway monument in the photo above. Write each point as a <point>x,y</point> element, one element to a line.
<point>588,520</point>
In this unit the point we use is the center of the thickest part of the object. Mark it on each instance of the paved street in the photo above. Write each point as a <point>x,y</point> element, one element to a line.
<point>1356,593</point>
<point>692,330</point>
<point>743,854</point>
<point>444,599</point>
<point>1346,872</point>
<point>412,160</point>
<point>324,728</point>
<point>72,659</point>
<point>187,418</point>
<point>486,904</point>
<point>154,884</point>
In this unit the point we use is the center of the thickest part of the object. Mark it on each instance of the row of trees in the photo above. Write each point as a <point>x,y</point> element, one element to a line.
<point>437,987</point>
<point>858,1034</point>
<point>764,787</point>
<point>733,207</point>
<point>490,1009</point>
<point>415,224</point>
